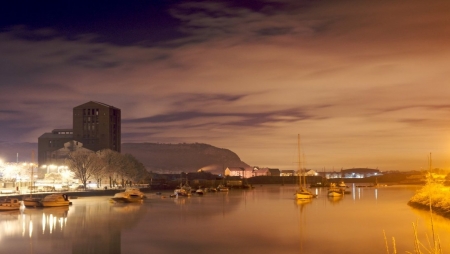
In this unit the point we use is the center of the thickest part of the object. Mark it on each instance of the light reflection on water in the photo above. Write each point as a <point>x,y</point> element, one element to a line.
<point>266,219</point>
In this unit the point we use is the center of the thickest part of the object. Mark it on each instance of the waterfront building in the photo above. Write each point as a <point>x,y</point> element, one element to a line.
<point>261,171</point>
<point>239,171</point>
<point>50,142</point>
<point>96,126</point>
<point>287,172</point>
<point>359,172</point>
<point>352,173</point>
<point>274,172</point>
<point>257,171</point>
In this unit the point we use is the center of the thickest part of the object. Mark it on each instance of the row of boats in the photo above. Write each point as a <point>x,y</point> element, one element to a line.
<point>52,200</point>
<point>128,196</point>
<point>186,190</point>
<point>61,199</point>
<point>302,193</point>
<point>334,190</point>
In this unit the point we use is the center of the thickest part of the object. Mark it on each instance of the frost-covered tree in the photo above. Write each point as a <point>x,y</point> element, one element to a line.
<point>85,164</point>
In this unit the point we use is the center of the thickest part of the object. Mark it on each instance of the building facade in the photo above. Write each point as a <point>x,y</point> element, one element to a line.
<point>50,142</point>
<point>95,125</point>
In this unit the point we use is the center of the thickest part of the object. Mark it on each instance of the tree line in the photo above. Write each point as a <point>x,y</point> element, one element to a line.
<point>119,169</point>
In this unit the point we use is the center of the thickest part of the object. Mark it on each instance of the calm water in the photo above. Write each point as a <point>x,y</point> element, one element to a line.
<point>263,220</point>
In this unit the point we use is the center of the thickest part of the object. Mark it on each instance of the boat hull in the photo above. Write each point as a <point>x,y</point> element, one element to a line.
<point>304,195</point>
<point>129,196</point>
<point>9,208</point>
<point>55,204</point>
<point>335,191</point>
<point>32,202</point>
<point>55,200</point>
<point>127,200</point>
<point>335,194</point>
<point>10,205</point>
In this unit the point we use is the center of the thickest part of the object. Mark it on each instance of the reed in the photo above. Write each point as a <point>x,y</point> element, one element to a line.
<point>432,247</point>
<point>432,195</point>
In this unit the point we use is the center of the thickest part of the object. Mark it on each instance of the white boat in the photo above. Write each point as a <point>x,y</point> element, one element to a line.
<point>183,191</point>
<point>56,199</point>
<point>10,204</point>
<point>335,191</point>
<point>302,192</point>
<point>129,195</point>
<point>222,188</point>
<point>341,184</point>
<point>199,191</point>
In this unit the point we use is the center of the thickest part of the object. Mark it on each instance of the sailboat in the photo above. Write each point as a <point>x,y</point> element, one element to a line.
<point>302,192</point>
<point>32,201</point>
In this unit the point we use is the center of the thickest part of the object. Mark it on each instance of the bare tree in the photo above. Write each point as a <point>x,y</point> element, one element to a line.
<point>131,170</point>
<point>112,160</point>
<point>84,164</point>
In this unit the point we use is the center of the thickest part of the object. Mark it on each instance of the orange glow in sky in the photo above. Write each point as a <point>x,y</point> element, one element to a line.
<point>365,83</point>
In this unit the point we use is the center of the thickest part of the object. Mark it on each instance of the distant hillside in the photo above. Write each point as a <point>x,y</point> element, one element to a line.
<point>155,157</point>
<point>183,157</point>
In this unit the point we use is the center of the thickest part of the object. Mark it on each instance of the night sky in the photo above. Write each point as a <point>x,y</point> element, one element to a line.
<point>365,83</point>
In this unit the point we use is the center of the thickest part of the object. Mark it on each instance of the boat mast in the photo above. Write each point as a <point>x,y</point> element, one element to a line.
<point>299,171</point>
<point>32,173</point>
<point>304,170</point>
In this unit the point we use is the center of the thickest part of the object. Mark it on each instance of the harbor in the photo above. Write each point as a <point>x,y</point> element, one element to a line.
<point>221,222</point>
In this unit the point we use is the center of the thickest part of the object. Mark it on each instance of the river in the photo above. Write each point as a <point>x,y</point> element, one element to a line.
<point>263,220</point>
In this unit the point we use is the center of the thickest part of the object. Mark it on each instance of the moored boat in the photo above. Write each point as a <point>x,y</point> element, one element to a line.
<point>183,191</point>
<point>56,199</point>
<point>342,184</point>
<point>32,201</point>
<point>129,195</point>
<point>199,191</point>
<point>302,192</point>
<point>222,188</point>
<point>10,204</point>
<point>335,191</point>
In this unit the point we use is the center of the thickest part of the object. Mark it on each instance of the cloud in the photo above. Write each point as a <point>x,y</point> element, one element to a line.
<point>248,76</point>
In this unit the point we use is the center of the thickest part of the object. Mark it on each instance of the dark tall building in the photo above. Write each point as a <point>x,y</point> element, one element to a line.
<point>96,126</point>
<point>50,142</point>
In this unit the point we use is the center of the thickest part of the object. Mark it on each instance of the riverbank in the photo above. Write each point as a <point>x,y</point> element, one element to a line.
<point>75,194</point>
<point>434,195</point>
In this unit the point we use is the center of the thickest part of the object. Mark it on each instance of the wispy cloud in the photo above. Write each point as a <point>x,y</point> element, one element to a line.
<point>360,80</point>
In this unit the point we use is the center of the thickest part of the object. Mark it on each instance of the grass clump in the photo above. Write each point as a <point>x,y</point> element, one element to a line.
<point>433,196</point>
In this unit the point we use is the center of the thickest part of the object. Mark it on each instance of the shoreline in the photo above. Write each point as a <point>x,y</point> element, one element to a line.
<point>437,210</point>
<point>73,194</point>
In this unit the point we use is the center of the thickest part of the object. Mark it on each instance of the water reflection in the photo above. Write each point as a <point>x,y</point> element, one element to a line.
<point>90,226</point>
<point>302,202</point>
<point>301,205</point>
<point>359,191</point>
<point>335,199</point>
<point>265,220</point>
